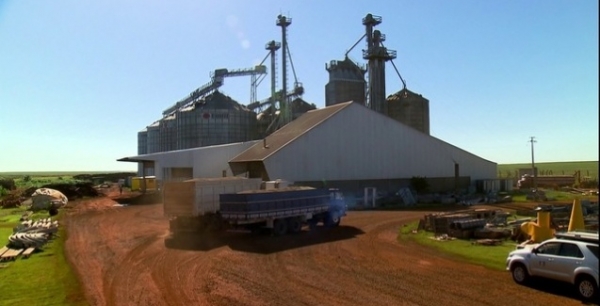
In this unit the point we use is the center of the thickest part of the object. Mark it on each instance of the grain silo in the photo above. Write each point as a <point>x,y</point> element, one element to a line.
<point>409,108</point>
<point>142,142</point>
<point>167,128</point>
<point>153,138</point>
<point>216,119</point>
<point>299,107</point>
<point>346,82</point>
<point>187,130</point>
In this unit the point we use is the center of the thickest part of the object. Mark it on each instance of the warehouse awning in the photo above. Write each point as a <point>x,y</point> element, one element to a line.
<point>135,160</point>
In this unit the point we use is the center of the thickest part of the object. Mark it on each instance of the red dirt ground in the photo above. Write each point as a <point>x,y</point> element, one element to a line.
<point>120,256</point>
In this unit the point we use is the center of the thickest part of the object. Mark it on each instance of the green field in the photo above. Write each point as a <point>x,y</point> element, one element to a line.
<point>587,169</point>
<point>45,278</point>
<point>493,257</point>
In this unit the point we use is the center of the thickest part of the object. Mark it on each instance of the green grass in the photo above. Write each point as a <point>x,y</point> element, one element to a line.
<point>45,278</point>
<point>493,257</point>
<point>587,168</point>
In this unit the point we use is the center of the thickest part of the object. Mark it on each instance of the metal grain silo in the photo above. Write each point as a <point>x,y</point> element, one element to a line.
<point>153,138</point>
<point>346,82</point>
<point>409,108</point>
<point>216,119</point>
<point>187,129</point>
<point>223,120</point>
<point>299,107</point>
<point>167,140</point>
<point>142,142</point>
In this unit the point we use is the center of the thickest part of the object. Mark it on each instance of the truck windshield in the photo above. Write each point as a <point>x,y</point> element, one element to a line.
<point>337,196</point>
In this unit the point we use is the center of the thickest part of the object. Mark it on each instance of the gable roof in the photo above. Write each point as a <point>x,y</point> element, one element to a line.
<point>288,133</point>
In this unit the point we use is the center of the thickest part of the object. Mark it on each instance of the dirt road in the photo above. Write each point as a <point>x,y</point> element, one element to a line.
<point>121,258</point>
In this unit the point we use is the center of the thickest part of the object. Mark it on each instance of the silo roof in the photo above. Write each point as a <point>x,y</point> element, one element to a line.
<point>347,64</point>
<point>403,94</point>
<point>288,133</point>
<point>299,105</point>
<point>218,100</point>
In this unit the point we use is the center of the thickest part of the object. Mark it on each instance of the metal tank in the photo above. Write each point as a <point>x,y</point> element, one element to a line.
<point>142,147</point>
<point>153,138</point>
<point>346,82</point>
<point>187,134</point>
<point>409,108</point>
<point>142,142</point>
<point>300,107</point>
<point>167,139</point>
<point>217,119</point>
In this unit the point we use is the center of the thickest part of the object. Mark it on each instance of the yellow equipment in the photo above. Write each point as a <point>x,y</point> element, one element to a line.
<point>576,222</point>
<point>541,230</point>
<point>137,183</point>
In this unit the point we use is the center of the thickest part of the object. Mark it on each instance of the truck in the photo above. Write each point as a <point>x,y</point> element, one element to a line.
<point>249,204</point>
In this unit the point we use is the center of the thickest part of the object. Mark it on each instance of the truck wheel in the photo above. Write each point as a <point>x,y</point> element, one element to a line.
<point>279,227</point>
<point>586,287</point>
<point>294,225</point>
<point>331,221</point>
<point>519,273</point>
<point>312,224</point>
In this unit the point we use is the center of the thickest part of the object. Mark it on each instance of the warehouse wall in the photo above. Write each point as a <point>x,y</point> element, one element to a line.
<point>205,161</point>
<point>360,144</point>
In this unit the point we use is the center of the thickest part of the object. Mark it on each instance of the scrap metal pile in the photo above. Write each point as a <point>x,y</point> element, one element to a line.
<point>467,224</point>
<point>33,234</point>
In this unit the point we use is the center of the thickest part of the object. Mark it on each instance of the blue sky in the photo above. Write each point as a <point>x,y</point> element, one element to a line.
<point>79,79</point>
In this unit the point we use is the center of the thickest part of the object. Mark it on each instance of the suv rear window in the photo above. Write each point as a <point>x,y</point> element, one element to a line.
<point>594,249</point>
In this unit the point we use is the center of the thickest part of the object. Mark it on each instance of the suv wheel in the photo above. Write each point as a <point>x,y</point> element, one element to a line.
<point>586,287</point>
<point>519,273</point>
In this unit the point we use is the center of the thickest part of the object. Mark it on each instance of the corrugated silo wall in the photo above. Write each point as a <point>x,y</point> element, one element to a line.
<point>142,142</point>
<point>187,130</point>
<point>412,110</point>
<point>168,134</point>
<point>339,91</point>
<point>142,147</point>
<point>153,139</point>
<point>221,126</point>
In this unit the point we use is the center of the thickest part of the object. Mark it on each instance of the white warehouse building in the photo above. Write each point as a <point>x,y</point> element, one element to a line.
<point>346,145</point>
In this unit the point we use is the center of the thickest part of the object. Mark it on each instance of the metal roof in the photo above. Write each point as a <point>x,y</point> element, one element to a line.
<point>288,133</point>
<point>135,159</point>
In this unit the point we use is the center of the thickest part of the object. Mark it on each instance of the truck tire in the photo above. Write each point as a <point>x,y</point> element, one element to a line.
<point>312,224</point>
<point>280,227</point>
<point>294,225</point>
<point>331,221</point>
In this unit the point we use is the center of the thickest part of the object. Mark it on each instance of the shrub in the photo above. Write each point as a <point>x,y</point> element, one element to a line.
<point>3,191</point>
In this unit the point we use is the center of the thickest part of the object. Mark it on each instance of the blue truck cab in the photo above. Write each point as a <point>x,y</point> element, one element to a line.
<point>337,207</point>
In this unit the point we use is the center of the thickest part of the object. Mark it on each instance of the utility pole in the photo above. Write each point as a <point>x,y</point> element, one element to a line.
<point>534,174</point>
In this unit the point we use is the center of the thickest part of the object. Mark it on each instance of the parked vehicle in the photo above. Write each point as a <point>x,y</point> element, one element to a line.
<point>569,257</point>
<point>219,204</point>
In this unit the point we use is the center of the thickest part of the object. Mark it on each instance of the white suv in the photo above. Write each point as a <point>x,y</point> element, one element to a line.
<point>570,257</point>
